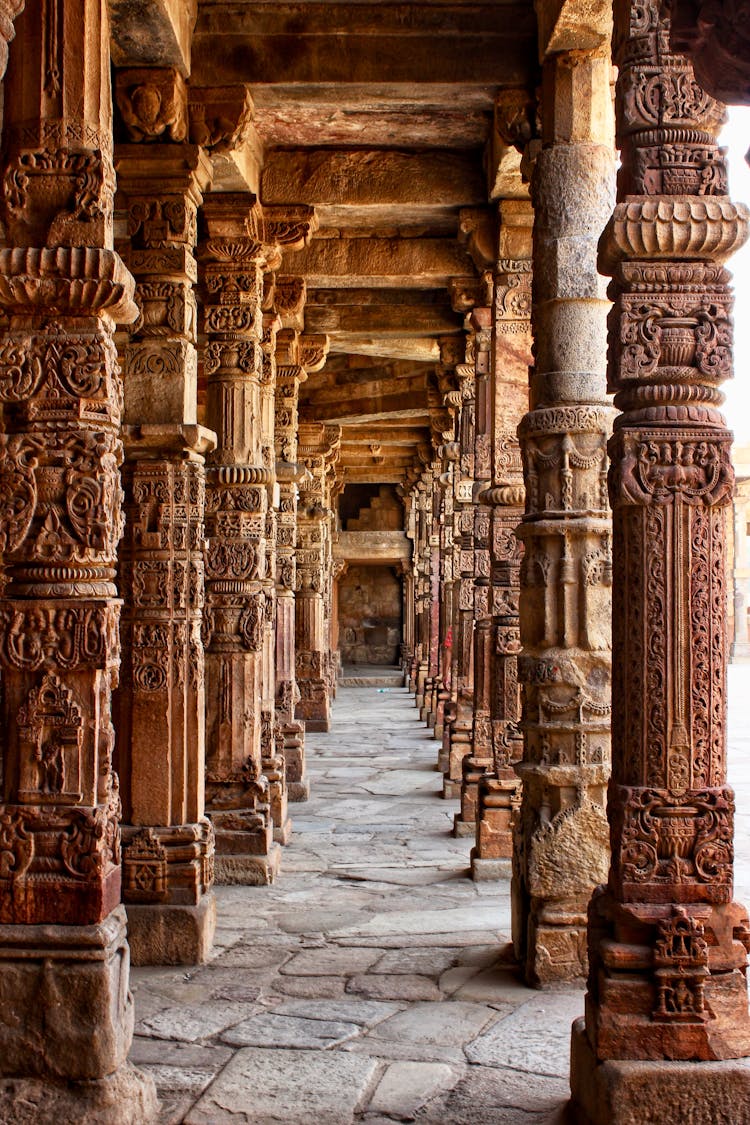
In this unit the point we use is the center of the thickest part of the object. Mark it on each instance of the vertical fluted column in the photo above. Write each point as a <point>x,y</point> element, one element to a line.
<point>160,705</point>
<point>561,849</point>
<point>511,357</point>
<point>668,946</point>
<point>234,257</point>
<point>66,1019</point>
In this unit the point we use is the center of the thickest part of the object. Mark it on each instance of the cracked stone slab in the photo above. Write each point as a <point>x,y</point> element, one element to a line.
<point>532,1038</point>
<point>365,1013</point>
<point>192,1024</point>
<point>274,1029</point>
<point>499,1097</point>
<point>407,1086</point>
<point>394,986</point>
<point>285,1087</point>
<point>330,960</point>
<point>449,1023</point>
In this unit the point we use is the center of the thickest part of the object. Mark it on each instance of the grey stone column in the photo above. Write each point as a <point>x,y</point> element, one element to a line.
<point>561,850</point>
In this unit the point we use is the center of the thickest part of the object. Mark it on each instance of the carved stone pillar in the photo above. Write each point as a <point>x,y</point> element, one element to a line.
<point>234,256</point>
<point>457,739</point>
<point>64,957</point>
<point>318,449</point>
<point>561,850</point>
<point>511,339</point>
<point>289,375</point>
<point>160,706</point>
<point>668,946</point>
<point>479,758</point>
<point>423,557</point>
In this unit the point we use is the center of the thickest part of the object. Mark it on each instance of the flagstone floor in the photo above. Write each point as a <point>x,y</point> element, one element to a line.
<point>373,982</point>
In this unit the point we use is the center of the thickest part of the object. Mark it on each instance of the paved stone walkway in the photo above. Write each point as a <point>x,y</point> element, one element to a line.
<point>372,983</point>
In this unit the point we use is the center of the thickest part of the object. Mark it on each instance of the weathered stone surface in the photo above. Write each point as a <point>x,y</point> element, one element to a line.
<point>126,1097</point>
<point>406,1086</point>
<point>172,935</point>
<point>522,1040</point>
<point>642,1092</point>
<point>500,1097</point>
<point>401,986</point>
<point>288,1087</point>
<point>270,1029</point>
<point>447,1023</point>
<point>328,961</point>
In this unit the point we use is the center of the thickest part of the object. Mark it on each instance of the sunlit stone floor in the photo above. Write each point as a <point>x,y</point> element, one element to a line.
<point>373,982</point>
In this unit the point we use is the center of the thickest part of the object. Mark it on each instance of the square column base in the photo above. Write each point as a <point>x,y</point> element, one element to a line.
<point>240,870</point>
<point>58,985</point>
<point>171,934</point>
<point>490,870</point>
<point>126,1097</point>
<point>451,790</point>
<point>463,827</point>
<point>640,1092</point>
<point>298,790</point>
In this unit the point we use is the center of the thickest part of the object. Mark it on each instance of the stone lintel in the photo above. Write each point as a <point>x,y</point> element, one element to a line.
<point>356,177</point>
<point>406,263</point>
<point>152,32</point>
<point>567,25</point>
<point>372,546</point>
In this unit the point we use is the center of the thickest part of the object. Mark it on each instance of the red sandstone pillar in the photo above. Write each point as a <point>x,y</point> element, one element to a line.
<point>66,1016</point>
<point>667,1005</point>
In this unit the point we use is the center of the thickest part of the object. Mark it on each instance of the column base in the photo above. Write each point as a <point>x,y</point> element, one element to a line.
<point>318,726</point>
<point>65,1009</point>
<point>126,1097</point>
<point>248,870</point>
<point>298,790</point>
<point>283,834</point>
<point>451,789</point>
<point>490,870</point>
<point>635,1091</point>
<point>555,954</point>
<point>463,827</point>
<point>171,934</point>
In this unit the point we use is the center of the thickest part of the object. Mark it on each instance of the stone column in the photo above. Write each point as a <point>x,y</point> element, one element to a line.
<point>479,758</point>
<point>160,706</point>
<point>423,505</point>
<point>457,740</point>
<point>562,848</point>
<point>9,9</point>
<point>66,1017</point>
<point>318,449</point>
<point>499,789</point>
<point>289,375</point>
<point>234,257</point>
<point>667,1005</point>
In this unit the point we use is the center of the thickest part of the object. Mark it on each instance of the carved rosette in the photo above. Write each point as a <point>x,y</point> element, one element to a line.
<point>671,482</point>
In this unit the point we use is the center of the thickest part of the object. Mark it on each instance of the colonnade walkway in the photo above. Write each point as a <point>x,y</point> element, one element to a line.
<point>373,982</point>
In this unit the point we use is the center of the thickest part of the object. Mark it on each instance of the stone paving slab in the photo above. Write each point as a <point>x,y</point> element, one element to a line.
<point>372,905</point>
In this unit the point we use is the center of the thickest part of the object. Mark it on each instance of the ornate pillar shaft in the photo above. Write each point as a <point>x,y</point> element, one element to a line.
<point>668,946</point>
<point>64,956</point>
<point>509,373</point>
<point>479,756</point>
<point>561,852</point>
<point>457,736</point>
<point>317,450</point>
<point>290,374</point>
<point>234,257</point>
<point>160,706</point>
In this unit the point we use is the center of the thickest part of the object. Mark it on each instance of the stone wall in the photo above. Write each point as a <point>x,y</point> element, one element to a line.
<point>370,615</point>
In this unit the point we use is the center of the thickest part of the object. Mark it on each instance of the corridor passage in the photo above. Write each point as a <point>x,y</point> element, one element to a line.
<point>371,982</point>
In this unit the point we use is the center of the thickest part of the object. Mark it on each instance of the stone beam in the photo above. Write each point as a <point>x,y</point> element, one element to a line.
<point>152,32</point>
<point>372,177</point>
<point>422,349</point>
<point>406,397</point>
<point>372,546</point>
<point>569,25</point>
<point>389,263</point>
<point>365,42</point>
<point>359,313</point>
